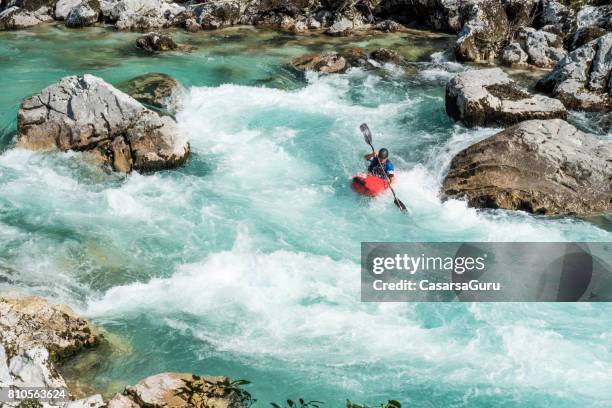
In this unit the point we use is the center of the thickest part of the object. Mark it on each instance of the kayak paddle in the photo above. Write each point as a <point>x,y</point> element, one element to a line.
<point>367,135</point>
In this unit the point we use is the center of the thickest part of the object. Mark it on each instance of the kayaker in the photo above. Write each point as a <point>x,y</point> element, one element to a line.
<point>378,159</point>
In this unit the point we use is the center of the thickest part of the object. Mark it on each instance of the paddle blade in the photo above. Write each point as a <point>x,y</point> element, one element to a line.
<point>400,205</point>
<point>367,135</point>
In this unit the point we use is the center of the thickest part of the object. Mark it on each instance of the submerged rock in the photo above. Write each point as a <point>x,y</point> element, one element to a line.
<point>385,55</point>
<point>582,79</point>
<point>488,97</point>
<point>155,90</point>
<point>539,166</point>
<point>85,113</point>
<point>329,62</point>
<point>155,42</point>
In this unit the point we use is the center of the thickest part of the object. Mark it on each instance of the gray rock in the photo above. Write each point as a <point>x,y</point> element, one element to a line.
<point>579,80</point>
<point>441,15</point>
<point>484,33</point>
<point>85,113</point>
<point>390,26</point>
<point>14,17</point>
<point>84,14</point>
<point>144,15</point>
<point>63,7</point>
<point>488,97</point>
<point>219,13</point>
<point>514,55</point>
<point>539,166</point>
<point>384,56</point>
<point>329,62</point>
<point>543,48</point>
<point>552,12</point>
<point>341,27</point>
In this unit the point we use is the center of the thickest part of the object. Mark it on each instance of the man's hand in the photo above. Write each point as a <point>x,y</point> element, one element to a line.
<point>369,156</point>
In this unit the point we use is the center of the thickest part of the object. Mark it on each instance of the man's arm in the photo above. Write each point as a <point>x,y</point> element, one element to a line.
<point>369,156</point>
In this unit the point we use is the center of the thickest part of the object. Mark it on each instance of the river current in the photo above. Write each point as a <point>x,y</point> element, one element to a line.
<point>245,261</point>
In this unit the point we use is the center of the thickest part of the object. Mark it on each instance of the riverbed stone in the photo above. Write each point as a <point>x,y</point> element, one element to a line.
<point>84,113</point>
<point>156,42</point>
<point>158,91</point>
<point>539,166</point>
<point>488,97</point>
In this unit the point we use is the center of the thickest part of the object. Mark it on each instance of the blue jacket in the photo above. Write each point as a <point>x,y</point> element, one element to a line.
<point>374,168</point>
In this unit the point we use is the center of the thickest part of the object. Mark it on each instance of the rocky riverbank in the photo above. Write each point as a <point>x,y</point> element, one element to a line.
<point>36,336</point>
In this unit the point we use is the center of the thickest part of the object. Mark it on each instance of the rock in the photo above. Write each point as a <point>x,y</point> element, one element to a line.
<point>34,368</point>
<point>84,113</point>
<point>484,33</point>
<point>384,56</point>
<point>13,18</point>
<point>93,401</point>
<point>192,25</point>
<point>355,57</point>
<point>163,390</point>
<point>542,167</point>
<point>329,62</point>
<point>155,90</point>
<point>341,27</point>
<point>441,15</point>
<point>580,80</point>
<point>218,13</point>
<point>84,14</point>
<point>552,12</point>
<point>155,42</point>
<point>544,49</point>
<point>488,97</point>
<point>591,23</point>
<point>121,401</point>
<point>63,7</point>
<point>520,12</point>
<point>514,55</point>
<point>143,15</point>
<point>390,26</point>
<point>29,322</point>
<point>281,22</point>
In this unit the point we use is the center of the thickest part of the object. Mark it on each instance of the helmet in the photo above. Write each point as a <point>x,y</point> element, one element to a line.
<point>383,153</point>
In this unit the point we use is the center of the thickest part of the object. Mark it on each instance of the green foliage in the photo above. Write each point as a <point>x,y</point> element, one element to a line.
<point>300,403</point>
<point>197,392</point>
<point>388,404</point>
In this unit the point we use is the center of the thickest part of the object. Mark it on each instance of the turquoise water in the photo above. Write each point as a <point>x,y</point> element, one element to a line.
<point>244,262</point>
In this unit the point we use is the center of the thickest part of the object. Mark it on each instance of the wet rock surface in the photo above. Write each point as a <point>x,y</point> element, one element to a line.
<point>84,113</point>
<point>542,167</point>
<point>488,97</point>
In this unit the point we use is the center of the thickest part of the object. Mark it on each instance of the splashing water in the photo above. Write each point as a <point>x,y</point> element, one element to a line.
<point>245,262</point>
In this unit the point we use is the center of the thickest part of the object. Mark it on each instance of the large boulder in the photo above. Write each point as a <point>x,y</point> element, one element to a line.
<point>143,15</point>
<point>157,91</point>
<point>582,79</point>
<point>484,33</point>
<point>34,335</point>
<point>63,7</point>
<point>28,322</point>
<point>13,18</point>
<point>591,23</point>
<point>544,49</point>
<point>488,97</point>
<point>84,113</point>
<point>556,14</point>
<point>329,62</point>
<point>84,14</point>
<point>520,12</point>
<point>539,166</point>
<point>219,13</point>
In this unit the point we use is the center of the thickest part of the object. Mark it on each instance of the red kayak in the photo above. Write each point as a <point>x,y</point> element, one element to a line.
<point>369,185</point>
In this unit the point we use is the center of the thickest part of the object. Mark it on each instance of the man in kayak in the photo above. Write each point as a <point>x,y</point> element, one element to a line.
<point>380,160</point>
